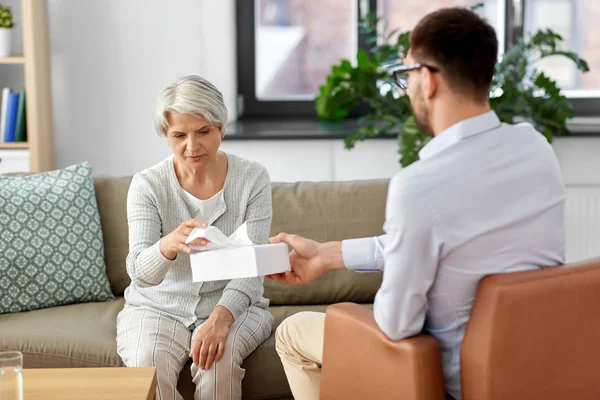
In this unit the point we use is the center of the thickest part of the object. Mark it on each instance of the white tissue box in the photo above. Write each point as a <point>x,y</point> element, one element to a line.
<point>239,262</point>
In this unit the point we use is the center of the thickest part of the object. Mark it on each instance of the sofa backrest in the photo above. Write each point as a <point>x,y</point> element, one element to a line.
<point>321,211</point>
<point>111,194</point>
<point>534,335</point>
<point>327,211</point>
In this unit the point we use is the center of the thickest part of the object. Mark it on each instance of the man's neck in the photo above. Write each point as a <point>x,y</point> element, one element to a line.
<point>455,113</point>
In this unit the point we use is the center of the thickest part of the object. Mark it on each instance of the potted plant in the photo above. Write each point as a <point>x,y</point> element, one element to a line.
<point>519,90</point>
<point>6,25</point>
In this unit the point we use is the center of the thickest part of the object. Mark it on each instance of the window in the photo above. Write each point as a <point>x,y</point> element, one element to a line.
<point>576,22</point>
<point>287,47</point>
<point>297,42</point>
<point>405,14</point>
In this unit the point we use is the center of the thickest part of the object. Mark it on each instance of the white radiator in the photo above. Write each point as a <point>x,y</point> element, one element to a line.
<point>582,222</point>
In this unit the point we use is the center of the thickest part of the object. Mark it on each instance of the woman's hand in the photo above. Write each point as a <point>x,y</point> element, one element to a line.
<point>208,346</point>
<point>174,242</point>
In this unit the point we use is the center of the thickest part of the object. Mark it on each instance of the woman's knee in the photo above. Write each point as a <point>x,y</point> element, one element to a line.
<point>227,369</point>
<point>141,355</point>
<point>246,337</point>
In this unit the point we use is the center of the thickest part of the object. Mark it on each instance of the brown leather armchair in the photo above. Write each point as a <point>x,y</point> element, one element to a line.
<point>532,335</point>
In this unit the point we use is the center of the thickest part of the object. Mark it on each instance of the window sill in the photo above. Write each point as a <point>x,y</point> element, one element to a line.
<point>584,126</point>
<point>293,129</point>
<point>310,129</point>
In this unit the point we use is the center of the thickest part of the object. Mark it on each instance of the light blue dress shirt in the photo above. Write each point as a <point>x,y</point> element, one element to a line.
<point>485,198</point>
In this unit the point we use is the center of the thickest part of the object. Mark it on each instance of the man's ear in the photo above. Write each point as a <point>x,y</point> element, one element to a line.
<point>430,83</point>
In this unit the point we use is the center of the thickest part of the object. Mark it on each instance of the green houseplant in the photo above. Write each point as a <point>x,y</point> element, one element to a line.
<point>519,90</point>
<point>6,25</point>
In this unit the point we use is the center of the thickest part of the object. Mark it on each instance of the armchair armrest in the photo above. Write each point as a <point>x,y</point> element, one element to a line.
<point>361,362</point>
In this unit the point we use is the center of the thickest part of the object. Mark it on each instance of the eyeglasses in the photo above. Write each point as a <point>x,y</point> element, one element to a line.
<point>400,72</point>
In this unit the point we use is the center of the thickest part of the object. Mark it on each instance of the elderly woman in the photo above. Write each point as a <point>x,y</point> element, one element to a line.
<point>168,318</point>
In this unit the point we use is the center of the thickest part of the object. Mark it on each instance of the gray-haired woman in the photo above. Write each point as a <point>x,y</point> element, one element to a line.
<point>168,318</point>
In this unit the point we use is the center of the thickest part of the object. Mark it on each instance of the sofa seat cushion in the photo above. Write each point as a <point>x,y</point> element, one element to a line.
<point>73,336</point>
<point>84,335</point>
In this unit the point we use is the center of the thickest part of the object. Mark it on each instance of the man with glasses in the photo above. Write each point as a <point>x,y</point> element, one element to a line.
<point>484,198</point>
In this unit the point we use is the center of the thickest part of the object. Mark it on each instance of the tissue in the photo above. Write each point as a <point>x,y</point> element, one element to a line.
<point>218,240</point>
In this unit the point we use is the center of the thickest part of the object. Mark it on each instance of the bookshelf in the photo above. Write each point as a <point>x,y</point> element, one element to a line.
<point>16,59</point>
<point>38,97</point>
<point>14,146</point>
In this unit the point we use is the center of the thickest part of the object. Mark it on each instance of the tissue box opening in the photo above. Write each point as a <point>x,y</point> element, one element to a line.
<point>240,262</point>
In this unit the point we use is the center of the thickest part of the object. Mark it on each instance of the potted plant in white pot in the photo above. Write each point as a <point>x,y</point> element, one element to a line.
<point>6,28</point>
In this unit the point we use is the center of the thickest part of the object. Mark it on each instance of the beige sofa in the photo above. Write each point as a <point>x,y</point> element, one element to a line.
<point>83,335</point>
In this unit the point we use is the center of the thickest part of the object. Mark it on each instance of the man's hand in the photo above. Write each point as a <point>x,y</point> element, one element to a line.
<point>208,346</point>
<point>309,259</point>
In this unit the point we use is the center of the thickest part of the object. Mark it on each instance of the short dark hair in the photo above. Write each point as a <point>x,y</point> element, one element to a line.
<point>462,44</point>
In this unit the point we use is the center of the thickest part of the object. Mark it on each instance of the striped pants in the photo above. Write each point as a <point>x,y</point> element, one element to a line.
<point>148,338</point>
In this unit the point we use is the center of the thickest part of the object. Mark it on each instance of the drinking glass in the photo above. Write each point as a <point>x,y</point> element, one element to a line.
<point>11,377</point>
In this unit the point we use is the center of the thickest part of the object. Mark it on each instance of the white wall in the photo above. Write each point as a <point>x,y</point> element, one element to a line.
<point>320,160</point>
<point>110,59</point>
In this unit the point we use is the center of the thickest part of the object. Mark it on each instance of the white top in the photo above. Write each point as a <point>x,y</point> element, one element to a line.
<point>206,208</point>
<point>485,198</point>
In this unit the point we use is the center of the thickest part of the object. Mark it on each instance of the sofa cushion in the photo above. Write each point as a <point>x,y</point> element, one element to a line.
<point>333,287</point>
<point>326,211</point>
<point>84,335</point>
<point>111,194</point>
<point>51,247</point>
<point>73,336</point>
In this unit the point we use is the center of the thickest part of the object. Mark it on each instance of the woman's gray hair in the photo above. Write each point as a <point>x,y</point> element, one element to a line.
<point>193,95</point>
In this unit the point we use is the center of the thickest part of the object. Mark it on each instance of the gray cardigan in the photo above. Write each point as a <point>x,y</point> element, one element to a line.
<point>156,206</point>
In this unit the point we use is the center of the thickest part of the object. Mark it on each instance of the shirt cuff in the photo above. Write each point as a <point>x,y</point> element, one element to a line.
<point>363,255</point>
<point>235,301</point>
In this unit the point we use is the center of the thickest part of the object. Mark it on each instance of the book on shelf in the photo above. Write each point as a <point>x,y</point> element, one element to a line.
<point>13,121</point>
<point>5,93</point>
<point>21,127</point>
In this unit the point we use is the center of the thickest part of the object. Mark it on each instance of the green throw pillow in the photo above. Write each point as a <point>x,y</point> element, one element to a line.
<point>51,249</point>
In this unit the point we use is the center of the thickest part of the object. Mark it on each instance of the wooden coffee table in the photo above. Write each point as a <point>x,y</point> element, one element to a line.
<point>89,383</point>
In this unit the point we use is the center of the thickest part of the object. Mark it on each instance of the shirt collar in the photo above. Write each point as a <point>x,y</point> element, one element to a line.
<point>459,131</point>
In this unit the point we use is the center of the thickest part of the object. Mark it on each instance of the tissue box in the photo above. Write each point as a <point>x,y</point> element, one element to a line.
<point>239,262</point>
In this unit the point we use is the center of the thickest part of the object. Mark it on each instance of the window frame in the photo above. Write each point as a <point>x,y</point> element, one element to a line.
<point>250,107</point>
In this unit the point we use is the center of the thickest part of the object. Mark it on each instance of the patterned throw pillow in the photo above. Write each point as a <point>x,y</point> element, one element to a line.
<point>51,249</point>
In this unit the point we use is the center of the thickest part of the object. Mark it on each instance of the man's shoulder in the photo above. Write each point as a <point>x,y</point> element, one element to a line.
<point>420,175</point>
<point>523,134</point>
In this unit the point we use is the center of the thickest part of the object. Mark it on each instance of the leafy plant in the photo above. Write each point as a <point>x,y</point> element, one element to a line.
<point>519,90</point>
<point>6,19</point>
